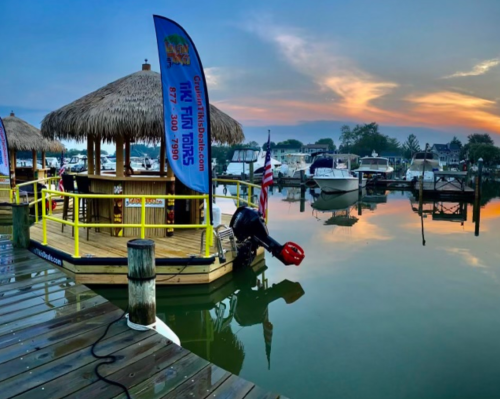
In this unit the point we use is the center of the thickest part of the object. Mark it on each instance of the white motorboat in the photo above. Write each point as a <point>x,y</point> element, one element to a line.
<point>426,162</point>
<point>243,157</point>
<point>293,165</point>
<point>374,165</point>
<point>336,180</point>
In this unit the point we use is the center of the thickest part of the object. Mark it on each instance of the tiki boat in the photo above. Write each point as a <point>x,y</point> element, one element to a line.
<point>103,210</point>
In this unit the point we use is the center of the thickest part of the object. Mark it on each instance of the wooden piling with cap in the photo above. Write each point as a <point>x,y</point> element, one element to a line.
<point>141,282</point>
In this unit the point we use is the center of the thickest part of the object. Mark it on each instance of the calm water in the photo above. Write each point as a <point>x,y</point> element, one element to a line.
<point>370,313</point>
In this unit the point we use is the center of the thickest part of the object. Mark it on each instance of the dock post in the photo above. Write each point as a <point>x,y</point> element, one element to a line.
<point>302,177</point>
<point>477,199</point>
<point>141,284</point>
<point>360,181</point>
<point>21,224</point>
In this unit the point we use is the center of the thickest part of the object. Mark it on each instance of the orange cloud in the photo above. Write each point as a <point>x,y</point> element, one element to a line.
<point>456,109</point>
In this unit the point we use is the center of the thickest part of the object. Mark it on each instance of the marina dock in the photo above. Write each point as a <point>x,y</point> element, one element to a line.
<point>48,324</point>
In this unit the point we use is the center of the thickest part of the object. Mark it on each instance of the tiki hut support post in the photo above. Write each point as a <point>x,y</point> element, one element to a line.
<point>33,155</point>
<point>119,156</point>
<point>98,155</point>
<point>162,156</point>
<point>90,155</point>
<point>43,159</point>
<point>127,151</point>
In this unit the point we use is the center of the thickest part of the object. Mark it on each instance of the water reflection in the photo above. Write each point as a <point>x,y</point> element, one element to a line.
<point>207,319</point>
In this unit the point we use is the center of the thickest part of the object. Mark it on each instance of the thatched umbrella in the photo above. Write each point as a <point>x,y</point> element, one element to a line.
<point>128,109</point>
<point>22,136</point>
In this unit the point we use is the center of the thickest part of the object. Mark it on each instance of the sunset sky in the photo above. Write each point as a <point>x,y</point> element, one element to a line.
<point>301,68</point>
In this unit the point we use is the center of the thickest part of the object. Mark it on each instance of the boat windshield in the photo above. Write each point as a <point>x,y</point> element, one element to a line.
<point>419,166</point>
<point>423,155</point>
<point>373,161</point>
<point>245,155</point>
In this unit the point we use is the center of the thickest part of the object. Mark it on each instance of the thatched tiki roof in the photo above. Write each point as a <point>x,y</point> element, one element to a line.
<point>130,107</point>
<point>22,136</point>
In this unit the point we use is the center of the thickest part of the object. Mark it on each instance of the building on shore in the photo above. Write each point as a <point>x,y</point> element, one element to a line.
<point>449,154</point>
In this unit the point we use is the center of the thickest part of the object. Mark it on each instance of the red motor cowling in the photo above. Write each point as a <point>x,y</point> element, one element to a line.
<point>291,254</point>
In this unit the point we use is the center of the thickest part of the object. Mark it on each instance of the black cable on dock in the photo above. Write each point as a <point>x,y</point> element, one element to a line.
<point>112,358</point>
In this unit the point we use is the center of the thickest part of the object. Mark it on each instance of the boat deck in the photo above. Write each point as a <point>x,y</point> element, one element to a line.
<point>103,258</point>
<point>48,324</point>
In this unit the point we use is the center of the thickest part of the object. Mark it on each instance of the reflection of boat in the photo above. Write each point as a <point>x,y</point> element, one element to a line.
<point>204,317</point>
<point>429,160</point>
<point>335,202</point>
<point>339,205</point>
<point>374,165</point>
<point>375,196</point>
<point>336,180</point>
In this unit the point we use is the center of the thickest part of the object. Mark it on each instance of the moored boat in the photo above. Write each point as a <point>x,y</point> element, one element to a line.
<point>375,165</point>
<point>336,180</point>
<point>426,163</point>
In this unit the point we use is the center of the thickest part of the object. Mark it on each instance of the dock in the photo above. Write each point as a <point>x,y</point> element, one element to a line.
<point>48,324</point>
<point>447,185</point>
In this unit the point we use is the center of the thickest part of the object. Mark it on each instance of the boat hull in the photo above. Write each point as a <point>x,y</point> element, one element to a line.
<point>337,185</point>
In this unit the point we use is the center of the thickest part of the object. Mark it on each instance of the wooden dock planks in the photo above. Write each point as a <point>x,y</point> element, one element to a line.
<point>48,324</point>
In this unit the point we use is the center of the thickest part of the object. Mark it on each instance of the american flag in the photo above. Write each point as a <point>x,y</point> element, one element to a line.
<point>267,179</point>
<point>60,186</point>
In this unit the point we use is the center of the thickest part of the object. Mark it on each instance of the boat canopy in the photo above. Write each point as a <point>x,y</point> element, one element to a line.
<point>246,155</point>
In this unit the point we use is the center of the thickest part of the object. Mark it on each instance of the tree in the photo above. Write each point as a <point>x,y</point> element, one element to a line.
<point>272,144</point>
<point>456,141</point>
<point>328,141</point>
<point>475,138</point>
<point>252,144</point>
<point>292,142</point>
<point>411,146</point>
<point>489,153</point>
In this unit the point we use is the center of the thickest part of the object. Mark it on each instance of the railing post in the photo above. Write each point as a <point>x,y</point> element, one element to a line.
<point>17,196</point>
<point>143,217</point>
<point>35,189</point>
<point>76,227</point>
<point>141,283</point>
<point>208,231</point>
<point>237,193</point>
<point>21,224</point>
<point>250,198</point>
<point>44,218</point>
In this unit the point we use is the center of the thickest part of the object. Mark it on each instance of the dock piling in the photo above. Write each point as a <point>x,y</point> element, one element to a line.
<point>141,284</point>
<point>360,181</point>
<point>477,199</point>
<point>21,224</point>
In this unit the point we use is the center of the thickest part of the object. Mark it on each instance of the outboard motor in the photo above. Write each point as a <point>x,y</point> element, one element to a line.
<point>251,232</point>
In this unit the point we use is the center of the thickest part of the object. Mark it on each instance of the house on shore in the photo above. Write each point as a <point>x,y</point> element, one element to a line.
<point>449,154</point>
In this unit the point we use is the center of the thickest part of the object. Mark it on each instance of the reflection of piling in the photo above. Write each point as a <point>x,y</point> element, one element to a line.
<point>302,198</point>
<point>360,208</point>
<point>21,225</point>
<point>477,199</point>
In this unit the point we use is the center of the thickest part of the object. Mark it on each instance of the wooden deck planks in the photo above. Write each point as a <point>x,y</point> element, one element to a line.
<point>48,325</point>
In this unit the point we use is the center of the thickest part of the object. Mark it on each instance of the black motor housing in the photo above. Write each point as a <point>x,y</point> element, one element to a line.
<point>249,226</point>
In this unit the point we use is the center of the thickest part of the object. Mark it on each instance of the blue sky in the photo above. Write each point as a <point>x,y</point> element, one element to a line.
<point>300,68</point>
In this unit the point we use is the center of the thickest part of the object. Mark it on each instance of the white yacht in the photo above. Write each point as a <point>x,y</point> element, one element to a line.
<point>244,156</point>
<point>336,180</point>
<point>429,160</point>
<point>374,165</point>
<point>293,165</point>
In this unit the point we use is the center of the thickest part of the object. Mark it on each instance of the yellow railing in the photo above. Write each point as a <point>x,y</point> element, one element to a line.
<point>76,223</point>
<point>15,193</point>
<point>238,198</point>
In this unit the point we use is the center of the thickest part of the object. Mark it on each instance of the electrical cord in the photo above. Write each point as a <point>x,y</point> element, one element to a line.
<point>112,358</point>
